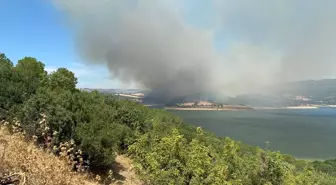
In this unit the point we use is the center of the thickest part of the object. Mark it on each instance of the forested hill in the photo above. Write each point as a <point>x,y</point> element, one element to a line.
<point>91,128</point>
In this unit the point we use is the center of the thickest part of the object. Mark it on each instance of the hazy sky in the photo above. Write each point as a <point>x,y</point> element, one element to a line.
<point>176,46</point>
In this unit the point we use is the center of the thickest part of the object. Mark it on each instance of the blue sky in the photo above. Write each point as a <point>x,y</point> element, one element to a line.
<point>35,28</point>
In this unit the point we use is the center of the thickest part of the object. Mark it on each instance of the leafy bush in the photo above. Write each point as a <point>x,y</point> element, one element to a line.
<point>94,127</point>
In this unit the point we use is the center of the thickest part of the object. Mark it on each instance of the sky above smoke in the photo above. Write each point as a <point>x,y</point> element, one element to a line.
<point>178,47</point>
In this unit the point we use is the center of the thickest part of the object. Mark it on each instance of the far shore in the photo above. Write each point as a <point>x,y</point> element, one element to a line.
<point>240,108</point>
<point>289,107</point>
<point>247,108</point>
<point>301,107</point>
<point>205,109</point>
<point>296,107</point>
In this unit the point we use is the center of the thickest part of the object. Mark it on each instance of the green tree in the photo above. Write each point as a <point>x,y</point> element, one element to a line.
<point>100,141</point>
<point>273,169</point>
<point>199,161</point>
<point>62,79</point>
<point>160,161</point>
<point>165,150</point>
<point>29,72</point>
<point>56,102</point>
<point>6,72</point>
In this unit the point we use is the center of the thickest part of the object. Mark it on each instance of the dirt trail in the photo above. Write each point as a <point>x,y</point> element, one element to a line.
<point>125,173</point>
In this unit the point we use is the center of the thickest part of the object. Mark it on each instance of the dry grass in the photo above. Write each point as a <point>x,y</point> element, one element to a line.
<point>33,165</point>
<point>36,166</point>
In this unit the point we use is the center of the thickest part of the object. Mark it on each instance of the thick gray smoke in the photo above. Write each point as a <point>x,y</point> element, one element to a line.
<point>178,47</point>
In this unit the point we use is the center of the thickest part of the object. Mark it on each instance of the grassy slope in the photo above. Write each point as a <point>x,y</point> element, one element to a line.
<point>35,165</point>
<point>38,167</point>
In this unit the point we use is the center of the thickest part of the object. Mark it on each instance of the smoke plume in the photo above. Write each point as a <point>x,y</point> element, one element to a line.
<point>178,47</point>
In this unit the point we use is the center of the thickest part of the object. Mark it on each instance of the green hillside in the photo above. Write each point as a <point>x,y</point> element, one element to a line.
<point>91,127</point>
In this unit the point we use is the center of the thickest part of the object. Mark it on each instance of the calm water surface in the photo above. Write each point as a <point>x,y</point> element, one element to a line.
<point>309,133</point>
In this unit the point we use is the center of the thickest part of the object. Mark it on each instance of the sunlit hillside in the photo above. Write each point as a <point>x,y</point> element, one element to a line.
<point>119,140</point>
<point>24,162</point>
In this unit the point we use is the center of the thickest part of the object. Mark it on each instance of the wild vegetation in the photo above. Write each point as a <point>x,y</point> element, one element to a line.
<point>22,161</point>
<point>90,128</point>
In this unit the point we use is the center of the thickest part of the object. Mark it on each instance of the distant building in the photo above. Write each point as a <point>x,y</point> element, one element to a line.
<point>301,98</point>
<point>138,94</point>
<point>197,104</point>
<point>205,104</point>
<point>187,104</point>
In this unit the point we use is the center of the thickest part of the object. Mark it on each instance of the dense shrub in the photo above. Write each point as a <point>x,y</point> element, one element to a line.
<point>328,166</point>
<point>93,127</point>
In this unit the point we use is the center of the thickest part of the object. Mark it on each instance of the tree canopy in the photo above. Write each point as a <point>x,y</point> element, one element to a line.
<point>93,127</point>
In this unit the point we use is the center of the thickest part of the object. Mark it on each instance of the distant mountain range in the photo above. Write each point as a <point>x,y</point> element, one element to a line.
<point>114,91</point>
<point>317,92</point>
<point>321,92</point>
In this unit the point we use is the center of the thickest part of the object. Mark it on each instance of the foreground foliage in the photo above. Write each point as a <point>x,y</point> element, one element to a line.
<point>165,150</point>
<point>34,166</point>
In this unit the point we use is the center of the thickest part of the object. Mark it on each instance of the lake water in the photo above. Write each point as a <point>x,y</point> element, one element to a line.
<point>309,133</point>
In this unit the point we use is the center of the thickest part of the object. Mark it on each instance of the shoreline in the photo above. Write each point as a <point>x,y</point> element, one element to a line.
<point>206,109</point>
<point>246,108</point>
<point>287,108</point>
<point>302,107</point>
